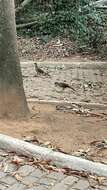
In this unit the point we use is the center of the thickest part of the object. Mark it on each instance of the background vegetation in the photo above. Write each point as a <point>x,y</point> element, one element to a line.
<point>77,20</point>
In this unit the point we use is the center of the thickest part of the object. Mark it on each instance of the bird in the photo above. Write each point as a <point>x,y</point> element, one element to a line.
<point>63,85</point>
<point>40,71</point>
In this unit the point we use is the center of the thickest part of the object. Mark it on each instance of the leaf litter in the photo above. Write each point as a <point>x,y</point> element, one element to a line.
<point>47,166</point>
<point>78,109</point>
<point>96,150</point>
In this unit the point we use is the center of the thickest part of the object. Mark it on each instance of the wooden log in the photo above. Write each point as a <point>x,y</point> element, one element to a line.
<point>60,159</point>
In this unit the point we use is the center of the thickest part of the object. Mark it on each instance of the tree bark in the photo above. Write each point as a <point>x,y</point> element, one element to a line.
<point>12,98</point>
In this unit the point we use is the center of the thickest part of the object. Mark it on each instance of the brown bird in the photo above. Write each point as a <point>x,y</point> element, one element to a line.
<point>40,71</point>
<point>63,85</point>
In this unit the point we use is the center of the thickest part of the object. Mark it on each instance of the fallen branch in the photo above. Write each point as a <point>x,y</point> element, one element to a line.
<point>99,4</point>
<point>57,158</point>
<point>23,4</point>
<point>26,24</point>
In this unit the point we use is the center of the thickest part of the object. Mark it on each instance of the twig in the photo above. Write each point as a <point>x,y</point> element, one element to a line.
<point>26,24</point>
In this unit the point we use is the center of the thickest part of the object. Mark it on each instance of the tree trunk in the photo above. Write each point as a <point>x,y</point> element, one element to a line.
<point>12,98</point>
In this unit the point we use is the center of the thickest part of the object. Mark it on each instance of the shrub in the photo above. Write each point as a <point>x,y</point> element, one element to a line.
<point>73,18</point>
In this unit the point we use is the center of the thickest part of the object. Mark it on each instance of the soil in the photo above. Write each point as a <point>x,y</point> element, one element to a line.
<point>68,131</point>
<point>88,84</point>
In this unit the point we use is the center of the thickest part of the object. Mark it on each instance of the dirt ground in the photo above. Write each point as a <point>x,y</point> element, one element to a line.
<point>70,132</point>
<point>88,84</point>
<point>78,134</point>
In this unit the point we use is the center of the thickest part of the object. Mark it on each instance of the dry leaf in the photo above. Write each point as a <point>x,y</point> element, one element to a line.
<point>43,162</point>
<point>32,139</point>
<point>16,160</point>
<point>75,172</point>
<point>6,168</point>
<point>3,154</point>
<point>18,177</point>
<point>55,169</point>
<point>47,143</point>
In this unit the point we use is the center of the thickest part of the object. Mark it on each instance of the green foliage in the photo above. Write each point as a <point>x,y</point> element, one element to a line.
<point>73,18</point>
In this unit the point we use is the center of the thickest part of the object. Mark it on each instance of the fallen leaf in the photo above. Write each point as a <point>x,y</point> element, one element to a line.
<point>16,160</point>
<point>47,143</point>
<point>18,177</point>
<point>6,168</point>
<point>105,141</point>
<point>75,172</point>
<point>55,169</point>
<point>32,139</point>
<point>3,154</point>
<point>94,142</point>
